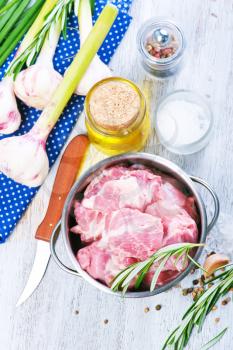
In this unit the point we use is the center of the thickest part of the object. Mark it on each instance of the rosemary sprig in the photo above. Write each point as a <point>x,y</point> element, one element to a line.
<point>58,14</point>
<point>214,341</point>
<point>138,270</point>
<point>196,314</point>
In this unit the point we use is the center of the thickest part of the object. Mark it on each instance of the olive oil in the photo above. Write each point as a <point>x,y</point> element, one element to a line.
<point>131,137</point>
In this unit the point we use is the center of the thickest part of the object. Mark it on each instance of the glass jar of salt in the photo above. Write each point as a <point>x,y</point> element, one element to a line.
<point>161,45</point>
<point>184,122</point>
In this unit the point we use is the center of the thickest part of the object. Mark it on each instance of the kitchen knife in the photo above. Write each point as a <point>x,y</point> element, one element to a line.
<point>66,174</point>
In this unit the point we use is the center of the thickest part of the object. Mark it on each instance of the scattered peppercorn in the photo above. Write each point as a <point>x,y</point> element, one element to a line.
<point>214,308</point>
<point>76,312</point>
<point>217,319</point>
<point>226,301</point>
<point>202,278</point>
<point>195,282</point>
<point>106,321</point>
<point>146,309</point>
<point>158,307</point>
<point>187,291</point>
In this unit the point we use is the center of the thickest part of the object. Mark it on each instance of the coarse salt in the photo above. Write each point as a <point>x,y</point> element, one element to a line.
<point>182,122</point>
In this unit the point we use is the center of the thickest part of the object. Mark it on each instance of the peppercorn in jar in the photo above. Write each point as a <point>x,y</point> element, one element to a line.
<point>161,46</point>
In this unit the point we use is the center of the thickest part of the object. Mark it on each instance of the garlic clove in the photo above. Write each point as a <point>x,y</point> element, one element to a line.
<point>24,159</point>
<point>213,262</point>
<point>96,72</point>
<point>10,117</point>
<point>36,85</point>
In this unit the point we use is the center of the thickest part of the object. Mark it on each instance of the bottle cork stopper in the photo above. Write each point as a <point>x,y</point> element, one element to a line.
<point>114,105</point>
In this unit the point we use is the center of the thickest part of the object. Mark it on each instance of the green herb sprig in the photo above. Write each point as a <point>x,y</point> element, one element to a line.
<point>58,14</point>
<point>196,314</point>
<point>138,270</point>
<point>13,36</point>
<point>214,341</point>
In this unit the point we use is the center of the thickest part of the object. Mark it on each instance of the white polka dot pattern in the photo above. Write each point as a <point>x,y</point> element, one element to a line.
<point>14,197</point>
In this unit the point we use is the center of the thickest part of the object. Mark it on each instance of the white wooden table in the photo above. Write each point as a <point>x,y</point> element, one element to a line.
<point>48,321</point>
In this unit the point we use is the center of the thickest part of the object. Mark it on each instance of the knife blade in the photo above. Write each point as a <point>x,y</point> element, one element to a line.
<point>66,174</point>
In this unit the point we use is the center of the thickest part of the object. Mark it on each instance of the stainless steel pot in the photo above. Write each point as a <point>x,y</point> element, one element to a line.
<point>153,162</point>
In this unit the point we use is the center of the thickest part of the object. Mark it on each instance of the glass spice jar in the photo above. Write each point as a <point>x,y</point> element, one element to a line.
<point>161,46</point>
<point>116,116</point>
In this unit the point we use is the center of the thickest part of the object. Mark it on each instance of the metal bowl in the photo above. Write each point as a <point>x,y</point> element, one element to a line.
<point>73,243</point>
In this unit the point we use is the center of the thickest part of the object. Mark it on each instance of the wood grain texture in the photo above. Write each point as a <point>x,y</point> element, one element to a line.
<point>47,321</point>
<point>67,171</point>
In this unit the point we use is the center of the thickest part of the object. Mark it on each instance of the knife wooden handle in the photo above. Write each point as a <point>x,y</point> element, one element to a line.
<point>65,178</point>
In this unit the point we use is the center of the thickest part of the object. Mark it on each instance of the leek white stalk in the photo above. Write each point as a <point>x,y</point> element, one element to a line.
<point>97,69</point>
<point>24,158</point>
<point>10,117</point>
<point>35,85</point>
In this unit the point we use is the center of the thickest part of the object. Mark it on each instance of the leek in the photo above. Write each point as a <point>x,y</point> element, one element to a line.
<point>77,69</point>
<point>97,69</point>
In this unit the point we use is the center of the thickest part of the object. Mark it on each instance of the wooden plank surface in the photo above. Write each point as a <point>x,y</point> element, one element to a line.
<point>48,321</point>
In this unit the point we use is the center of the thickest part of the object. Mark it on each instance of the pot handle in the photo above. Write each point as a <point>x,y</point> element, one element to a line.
<point>53,240</point>
<point>215,199</point>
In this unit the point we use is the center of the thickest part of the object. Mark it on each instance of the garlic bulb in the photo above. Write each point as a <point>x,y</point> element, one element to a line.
<point>36,84</point>
<point>17,153</point>
<point>10,117</point>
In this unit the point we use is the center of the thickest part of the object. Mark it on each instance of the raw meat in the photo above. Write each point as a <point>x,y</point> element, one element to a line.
<point>91,223</point>
<point>122,188</point>
<point>129,236</point>
<point>133,234</point>
<point>126,215</point>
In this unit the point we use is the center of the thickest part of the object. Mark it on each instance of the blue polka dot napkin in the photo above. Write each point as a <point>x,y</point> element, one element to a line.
<point>15,198</point>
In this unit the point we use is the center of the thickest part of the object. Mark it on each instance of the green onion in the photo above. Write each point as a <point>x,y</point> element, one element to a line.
<point>13,20</point>
<point>38,24</point>
<point>4,19</point>
<point>8,6</point>
<point>28,53</point>
<point>35,24</point>
<point>2,3</point>
<point>17,33</point>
